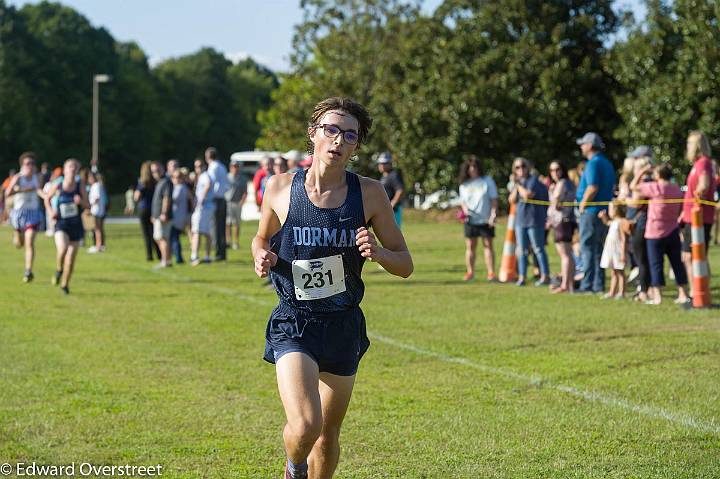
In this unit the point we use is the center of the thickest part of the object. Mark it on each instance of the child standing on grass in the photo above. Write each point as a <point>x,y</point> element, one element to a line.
<point>614,255</point>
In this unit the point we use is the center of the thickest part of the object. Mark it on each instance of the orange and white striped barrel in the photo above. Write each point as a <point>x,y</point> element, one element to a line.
<point>700,272</point>
<point>508,266</point>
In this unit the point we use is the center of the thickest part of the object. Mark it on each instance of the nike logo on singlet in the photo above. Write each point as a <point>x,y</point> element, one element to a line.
<point>337,237</point>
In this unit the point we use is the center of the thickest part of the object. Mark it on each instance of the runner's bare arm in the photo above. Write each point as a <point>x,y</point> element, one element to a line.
<point>393,255</point>
<point>263,257</point>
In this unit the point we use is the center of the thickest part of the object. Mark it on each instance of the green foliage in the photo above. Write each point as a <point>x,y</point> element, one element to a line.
<point>667,72</point>
<point>462,380</point>
<point>497,79</point>
<point>48,56</point>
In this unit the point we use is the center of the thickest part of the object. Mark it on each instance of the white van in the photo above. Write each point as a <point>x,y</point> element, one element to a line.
<point>250,162</point>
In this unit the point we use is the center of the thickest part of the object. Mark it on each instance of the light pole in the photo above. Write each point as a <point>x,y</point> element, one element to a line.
<point>97,79</point>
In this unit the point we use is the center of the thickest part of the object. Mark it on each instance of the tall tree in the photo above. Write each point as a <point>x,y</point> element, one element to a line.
<point>20,56</point>
<point>667,73</point>
<point>49,54</point>
<point>496,79</point>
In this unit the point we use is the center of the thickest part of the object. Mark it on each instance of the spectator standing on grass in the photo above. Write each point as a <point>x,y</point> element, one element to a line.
<point>393,183</point>
<point>171,167</point>
<point>294,158</point>
<point>144,192</point>
<point>201,222</point>
<point>6,201</point>
<point>260,177</point>
<point>26,214</point>
<point>597,184</point>
<point>699,184</point>
<point>235,197</point>
<point>129,201</point>
<point>280,165</point>
<point>181,202</point>
<point>637,212</point>
<point>479,201</point>
<point>162,212</point>
<point>218,175</point>
<point>44,174</point>
<point>530,220</point>
<point>662,231</point>
<point>98,209</point>
<point>615,250</point>
<point>562,220</point>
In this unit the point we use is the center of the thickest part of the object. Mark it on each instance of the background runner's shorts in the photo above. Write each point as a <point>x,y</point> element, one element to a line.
<point>335,341</point>
<point>72,227</point>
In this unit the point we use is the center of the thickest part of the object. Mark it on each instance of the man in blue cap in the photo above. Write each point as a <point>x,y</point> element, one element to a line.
<point>597,184</point>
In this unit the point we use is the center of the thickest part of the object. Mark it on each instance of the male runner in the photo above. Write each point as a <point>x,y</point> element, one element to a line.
<point>312,240</point>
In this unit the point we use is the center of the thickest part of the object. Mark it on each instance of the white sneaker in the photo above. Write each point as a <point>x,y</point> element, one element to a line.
<point>634,273</point>
<point>92,250</point>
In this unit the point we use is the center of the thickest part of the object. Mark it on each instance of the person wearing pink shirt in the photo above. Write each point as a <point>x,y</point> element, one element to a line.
<point>700,184</point>
<point>662,233</point>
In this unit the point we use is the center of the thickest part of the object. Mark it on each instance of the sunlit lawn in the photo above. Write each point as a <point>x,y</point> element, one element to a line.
<point>462,380</point>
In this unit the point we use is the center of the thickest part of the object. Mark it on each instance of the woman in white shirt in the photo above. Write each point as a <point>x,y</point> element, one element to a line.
<point>98,209</point>
<point>479,195</point>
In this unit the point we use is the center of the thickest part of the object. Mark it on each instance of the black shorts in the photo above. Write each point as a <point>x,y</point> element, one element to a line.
<point>687,236</point>
<point>564,232</point>
<point>335,341</point>
<point>483,231</point>
<point>72,227</point>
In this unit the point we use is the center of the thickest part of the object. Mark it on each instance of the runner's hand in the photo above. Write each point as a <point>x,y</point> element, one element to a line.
<point>77,199</point>
<point>367,244</point>
<point>264,260</point>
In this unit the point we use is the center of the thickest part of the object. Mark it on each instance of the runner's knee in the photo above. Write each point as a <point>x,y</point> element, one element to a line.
<point>329,439</point>
<point>306,430</point>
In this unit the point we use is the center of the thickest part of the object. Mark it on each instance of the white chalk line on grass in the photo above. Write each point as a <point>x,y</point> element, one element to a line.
<point>645,410</point>
<point>681,419</point>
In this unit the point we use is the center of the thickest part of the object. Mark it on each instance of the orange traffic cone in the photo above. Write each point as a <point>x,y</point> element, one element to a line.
<point>700,273</point>
<point>508,267</point>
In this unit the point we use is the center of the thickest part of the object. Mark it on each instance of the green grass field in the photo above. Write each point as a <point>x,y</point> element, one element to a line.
<point>462,380</point>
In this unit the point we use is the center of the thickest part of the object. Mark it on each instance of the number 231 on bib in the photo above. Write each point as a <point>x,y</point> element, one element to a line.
<point>318,278</point>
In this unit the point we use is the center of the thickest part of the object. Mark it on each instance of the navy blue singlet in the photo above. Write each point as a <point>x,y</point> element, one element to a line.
<point>310,232</point>
<point>67,196</point>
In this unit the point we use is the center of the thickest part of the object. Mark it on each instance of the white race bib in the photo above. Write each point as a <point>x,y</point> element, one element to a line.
<point>68,210</point>
<point>318,278</point>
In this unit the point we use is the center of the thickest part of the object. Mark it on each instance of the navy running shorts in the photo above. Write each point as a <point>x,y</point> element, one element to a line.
<point>335,341</point>
<point>73,227</point>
